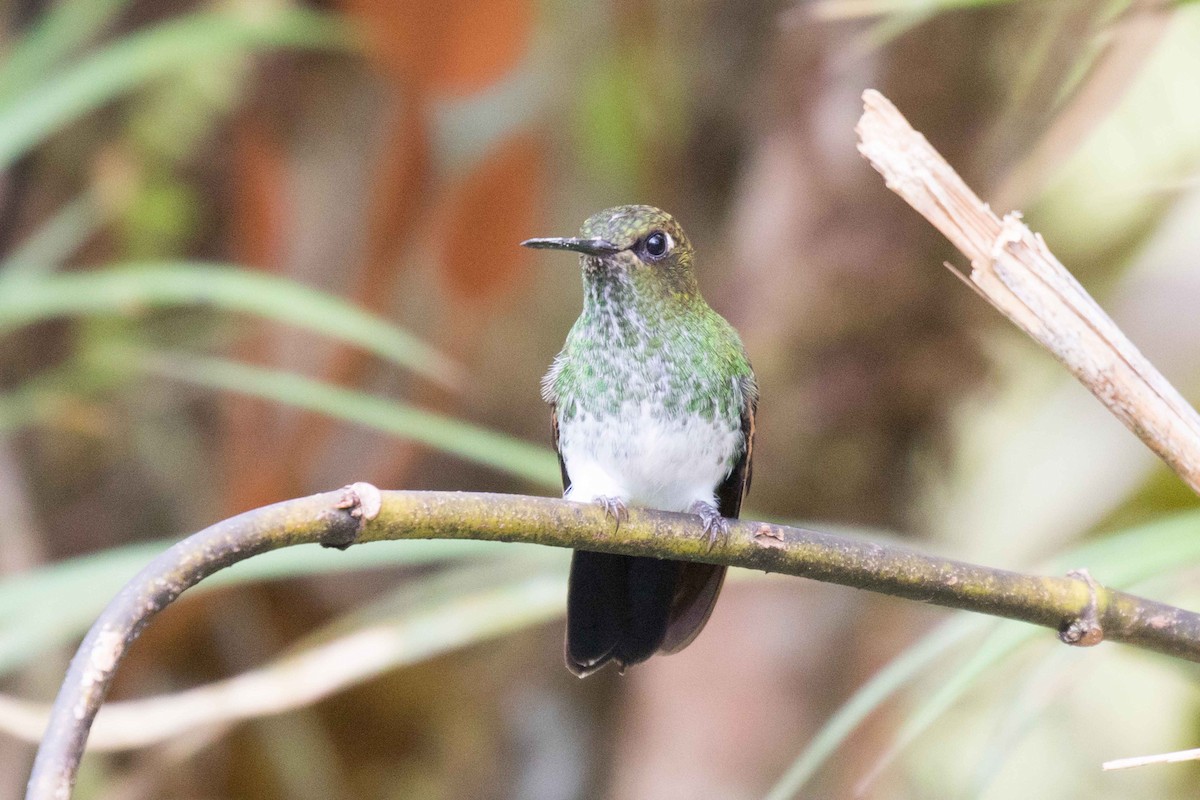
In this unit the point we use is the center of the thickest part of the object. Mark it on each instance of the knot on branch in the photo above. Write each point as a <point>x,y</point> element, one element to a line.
<point>1085,630</point>
<point>360,503</point>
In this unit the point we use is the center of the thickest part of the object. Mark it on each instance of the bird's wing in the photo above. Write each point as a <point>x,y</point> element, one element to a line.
<point>699,584</point>
<point>562,465</point>
<point>734,488</point>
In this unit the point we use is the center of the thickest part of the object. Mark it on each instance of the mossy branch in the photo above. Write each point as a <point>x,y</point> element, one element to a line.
<point>1082,611</point>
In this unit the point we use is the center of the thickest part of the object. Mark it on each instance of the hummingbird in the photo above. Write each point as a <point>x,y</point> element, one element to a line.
<point>652,406</point>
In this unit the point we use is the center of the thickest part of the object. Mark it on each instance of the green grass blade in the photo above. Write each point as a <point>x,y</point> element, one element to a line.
<point>129,289</point>
<point>901,671</point>
<point>27,119</point>
<point>453,582</point>
<point>104,572</point>
<point>60,31</point>
<point>1120,561</point>
<point>54,241</point>
<point>1003,642</point>
<point>1117,560</point>
<point>434,614</point>
<point>1022,708</point>
<point>480,445</point>
<point>51,606</point>
<point>1138,553</point>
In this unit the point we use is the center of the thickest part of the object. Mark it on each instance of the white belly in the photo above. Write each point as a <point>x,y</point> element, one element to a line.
<point>646,460</point>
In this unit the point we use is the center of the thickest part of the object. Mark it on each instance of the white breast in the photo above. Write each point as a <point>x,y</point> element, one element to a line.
<point>645,459</point>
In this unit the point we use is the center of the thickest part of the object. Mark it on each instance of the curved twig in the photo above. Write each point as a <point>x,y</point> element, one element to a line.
<point>361,513</point>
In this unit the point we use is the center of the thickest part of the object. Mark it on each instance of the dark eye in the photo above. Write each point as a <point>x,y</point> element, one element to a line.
<point>656,244</point>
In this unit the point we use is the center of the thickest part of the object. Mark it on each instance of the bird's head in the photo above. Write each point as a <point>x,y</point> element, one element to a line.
<point>641,246</point>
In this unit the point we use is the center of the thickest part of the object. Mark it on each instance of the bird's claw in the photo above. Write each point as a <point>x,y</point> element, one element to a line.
<point>715,525</point>
<point>615,508</point>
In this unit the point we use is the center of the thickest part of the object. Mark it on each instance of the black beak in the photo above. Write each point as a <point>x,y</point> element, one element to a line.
<point>590,247</point>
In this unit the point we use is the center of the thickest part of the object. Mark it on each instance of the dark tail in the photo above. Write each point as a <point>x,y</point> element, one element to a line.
<point>626,608</point>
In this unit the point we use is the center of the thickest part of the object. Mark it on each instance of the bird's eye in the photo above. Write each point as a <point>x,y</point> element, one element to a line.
<point>657,244</point>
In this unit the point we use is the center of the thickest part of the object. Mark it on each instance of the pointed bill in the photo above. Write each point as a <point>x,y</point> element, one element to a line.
<point>590,247</point>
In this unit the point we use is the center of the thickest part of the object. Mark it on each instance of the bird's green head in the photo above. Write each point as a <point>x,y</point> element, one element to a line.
<point>638,246</point>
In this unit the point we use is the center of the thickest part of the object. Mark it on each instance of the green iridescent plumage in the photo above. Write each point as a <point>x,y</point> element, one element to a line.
<point>654,403</point>
<point>646,333</point>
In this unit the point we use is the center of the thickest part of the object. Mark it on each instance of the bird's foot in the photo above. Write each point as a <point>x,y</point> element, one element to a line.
<point>715,525</point>
<point>614,507</point>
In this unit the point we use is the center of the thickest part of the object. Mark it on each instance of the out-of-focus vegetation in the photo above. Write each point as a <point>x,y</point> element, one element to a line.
<point>252,249</point>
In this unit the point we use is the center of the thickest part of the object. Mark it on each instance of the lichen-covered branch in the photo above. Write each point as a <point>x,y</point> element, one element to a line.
<point>1014,270</point>
<point>361,513</point>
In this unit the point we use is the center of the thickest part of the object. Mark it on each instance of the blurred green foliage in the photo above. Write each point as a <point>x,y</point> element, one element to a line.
<point>240,259</point>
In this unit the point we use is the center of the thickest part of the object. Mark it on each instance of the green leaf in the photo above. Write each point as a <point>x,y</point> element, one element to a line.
<point>54,241</point>
<point>480,445</point>
<point>28,118</point>
<point>428,615</point>
<point>62,29</point>
<point>50,606</point>
<point>130,289</point>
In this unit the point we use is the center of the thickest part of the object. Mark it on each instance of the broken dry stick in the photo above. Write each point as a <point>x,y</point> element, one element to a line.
<point>1012,268</point>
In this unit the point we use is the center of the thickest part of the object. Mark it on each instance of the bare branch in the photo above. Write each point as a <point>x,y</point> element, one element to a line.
<point>361,513</point>
<point>1015,271</point>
